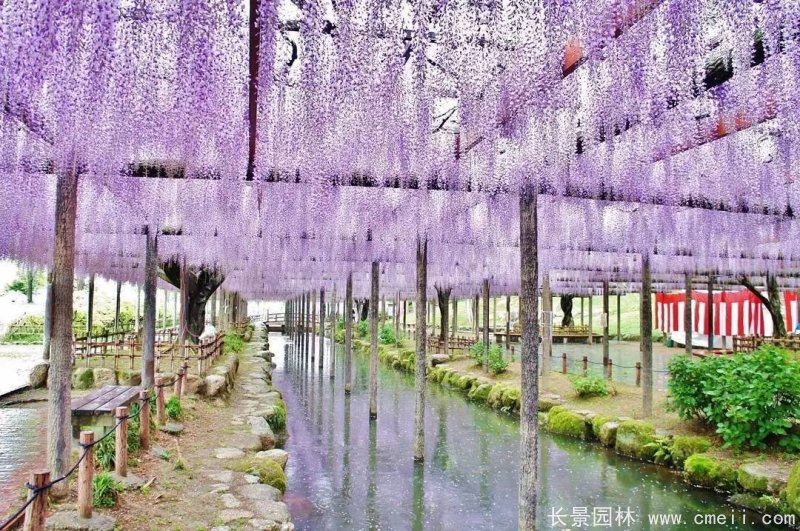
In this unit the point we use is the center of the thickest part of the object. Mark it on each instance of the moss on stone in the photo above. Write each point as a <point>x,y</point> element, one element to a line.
<point>705,470</point>
<point>791,494</point>
<point>608,433</point>
<point>684,446</point>
<point>511,398</point>
<point>465,382</point>
<point>268,471</point>
<point>83,378</point>
<point>546,404</point>
<point>597,423</point>
<point>570,423</point>
<point>633,438</point>
<point>480,392</point>
<point>495,397</point>
<point>760,504</point>
<point>543,420</point>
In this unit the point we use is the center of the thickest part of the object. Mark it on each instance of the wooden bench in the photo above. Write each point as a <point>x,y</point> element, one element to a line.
<point>95,411</point>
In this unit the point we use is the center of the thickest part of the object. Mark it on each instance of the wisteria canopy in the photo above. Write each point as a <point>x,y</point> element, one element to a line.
<point>292,142</point>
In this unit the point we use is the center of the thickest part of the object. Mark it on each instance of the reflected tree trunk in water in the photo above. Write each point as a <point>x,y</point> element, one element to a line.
<point>348,334</point>
<point>373,341</point>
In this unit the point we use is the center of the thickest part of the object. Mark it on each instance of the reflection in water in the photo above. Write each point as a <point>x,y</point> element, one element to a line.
<point>22,449</point>
<point>345,472</point>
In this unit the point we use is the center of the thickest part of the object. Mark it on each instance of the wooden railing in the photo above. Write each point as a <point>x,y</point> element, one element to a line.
<point>751,343</point>
<point>128,350</point>
<point>453,343</point>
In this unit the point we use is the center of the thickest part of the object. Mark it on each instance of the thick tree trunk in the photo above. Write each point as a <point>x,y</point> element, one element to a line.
<point>647,339</point>
<point>508,322</point>
<point>59,379</point>
<point>90,311</point>
<point>687,313</point>
<point>118,303</point>
<point>48,317</point>
<point>373,340</point>
<point>566,307</point>
<point>149,335</point>
<point>421,362</point>
<point>772,302</point>
<point>529,360</point>
<point>348,334</point>
<point>485,325</point>
<point>454,323</point>
<point>201,283</point>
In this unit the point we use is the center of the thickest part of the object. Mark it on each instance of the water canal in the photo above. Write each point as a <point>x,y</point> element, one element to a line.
<point>348,473</point>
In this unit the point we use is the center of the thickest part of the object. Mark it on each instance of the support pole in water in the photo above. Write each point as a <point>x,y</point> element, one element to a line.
<point>373,340</point>
<point>322,326</point>
<point>604,322</point>
<point>687,314</point>
<point>348,334</point>
<point>421,362</point>
<point>313,325</point>
<point>485,325</point>
<point>529,359</point>
<point>647,339</point>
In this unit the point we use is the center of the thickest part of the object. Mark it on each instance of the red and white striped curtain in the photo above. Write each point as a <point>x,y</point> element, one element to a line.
<point>736,313</point>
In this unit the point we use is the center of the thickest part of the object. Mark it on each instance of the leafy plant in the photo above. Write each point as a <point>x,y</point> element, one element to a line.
<point>105,490</point>
<point>173,408</point>
<point>362,330</point>
<point>233,342</point>
<point>662,451</point>
<point>386,335</point>
<point>587,385</point>
<point>278,421</point>
<point>749,398</point>
<point>476,352</point>
<point>496,362</point>
<point>104,453</point>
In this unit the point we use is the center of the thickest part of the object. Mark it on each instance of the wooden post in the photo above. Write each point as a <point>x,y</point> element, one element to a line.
<point>582,310</point>
<point>591,331</point>
<point>184,377</point>
<point>563,363</point>
<point>313,307</point>
<point>48,317</point>
<point>335,305</point>
<point>149,331</point>
<point>405,307</point>
<point>486,325</point>
<point>397,317</point>
<point>508,324</point>
<point>604,322</point>
<point>475,313</point>
<point>529,362</point>
<point>322,326</point>
<point>178,386</point>
<point>547,325</point>
<point>121,442</point>
<point>638,374</point>
<point>454,325</point>
<point>86,475</point>
<point>161,415</point>
<point>687,313</point>
<point>647,339</point>
<point>117,307</point>
<point>610,368</point>
<point>710,313</point>
<point>36,512</point>
<point>373,340</point>
<point>619,317</point>
<point>585,364</point>
<point>348,334</point>
<point>144,419</point>
<point>90,314</point>
<point>421,362</point>
<point>512,352</point>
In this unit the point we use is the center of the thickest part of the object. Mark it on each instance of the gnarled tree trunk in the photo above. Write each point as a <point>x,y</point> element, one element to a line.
<point>566,307</point>
<point>201,282</point>
<point>772,302</point>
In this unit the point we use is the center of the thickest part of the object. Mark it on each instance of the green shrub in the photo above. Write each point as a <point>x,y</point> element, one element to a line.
<point>104,453</point>
<point>27,330</point>
<point>386,335</point>
<point>105,490</point>
<point>748,398</point>
<point>234,342</point>
<point>173,408</point>
<point>476,352</point>
<point>278,421</point>
<point>362,329</point>
<point>496,362</point>
<point>587,385</point>
<point>662,451</point>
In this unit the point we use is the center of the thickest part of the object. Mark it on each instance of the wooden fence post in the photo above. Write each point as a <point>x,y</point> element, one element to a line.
<point>638,374</point>
<point>564,363</point>
<point>121,443</point>
<point>36,513</point>
<point>144,418</point>
<point>184,378</point>
<point>178,383</point>
<point>585,364</point>
<point>86,476</point>
<point>161,413</point>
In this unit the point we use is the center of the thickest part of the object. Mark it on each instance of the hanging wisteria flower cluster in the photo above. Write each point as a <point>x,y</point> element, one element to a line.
<point>665,127</point>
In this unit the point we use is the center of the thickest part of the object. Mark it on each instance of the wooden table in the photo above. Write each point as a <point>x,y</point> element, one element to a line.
<point>95,411</point>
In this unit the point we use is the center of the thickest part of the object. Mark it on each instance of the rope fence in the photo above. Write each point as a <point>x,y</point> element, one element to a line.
<point>33,513</point>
